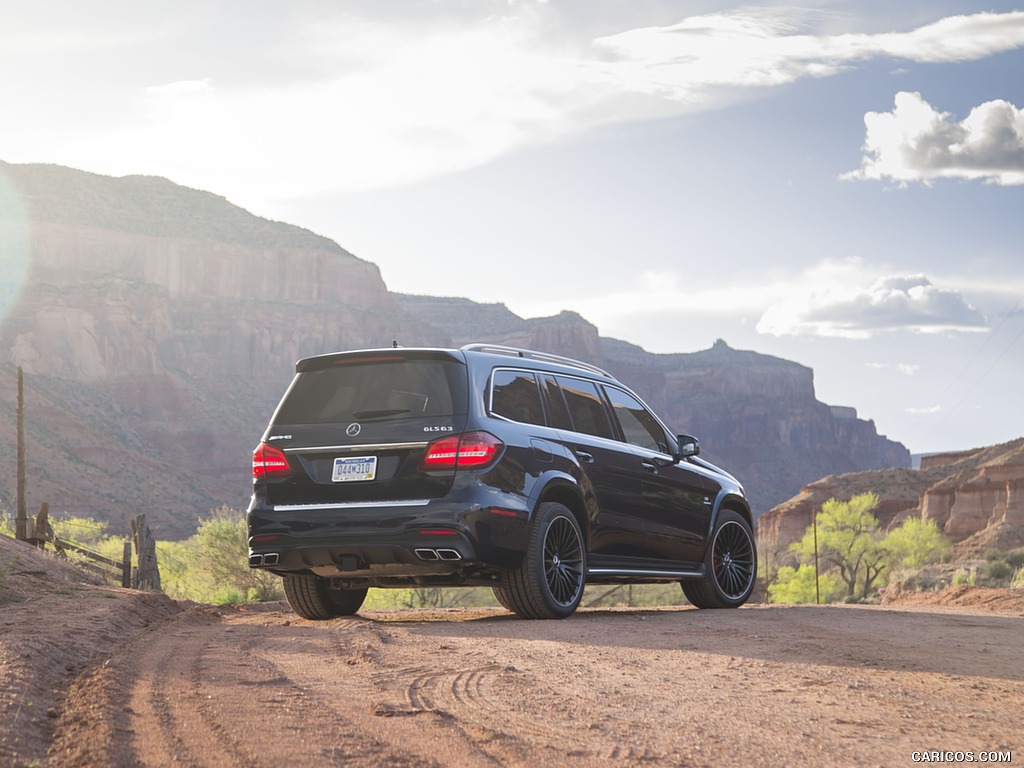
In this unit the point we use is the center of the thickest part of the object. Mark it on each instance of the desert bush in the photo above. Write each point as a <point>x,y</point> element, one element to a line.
<point>919,581</point>
<point>213,565</point>
<point>1018,579</point>
<point>965,576</point>
<point>222,540</point>
<point>1015,557</point>
<point>997,570</point>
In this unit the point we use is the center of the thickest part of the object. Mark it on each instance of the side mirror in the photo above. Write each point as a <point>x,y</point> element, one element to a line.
<point>688,446</point>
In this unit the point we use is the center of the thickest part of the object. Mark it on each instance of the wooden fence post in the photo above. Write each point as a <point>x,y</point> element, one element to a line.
<point>21,513</point>
<point>147,575</point>
<point>126,566</point>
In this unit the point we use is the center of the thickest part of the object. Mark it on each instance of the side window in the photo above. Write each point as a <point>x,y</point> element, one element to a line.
<point>514,395</point>
<point>639,426</point>
<point>556,404</point>
<point>585,406</point>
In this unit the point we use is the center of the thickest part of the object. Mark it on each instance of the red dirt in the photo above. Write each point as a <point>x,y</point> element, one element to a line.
<point>96,676</point>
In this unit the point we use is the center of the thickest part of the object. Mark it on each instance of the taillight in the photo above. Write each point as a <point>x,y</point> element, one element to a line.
<point>473,450</point>
<point>268,461</point>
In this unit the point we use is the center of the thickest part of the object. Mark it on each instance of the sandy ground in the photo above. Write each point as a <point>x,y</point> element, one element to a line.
<point>97,676</point>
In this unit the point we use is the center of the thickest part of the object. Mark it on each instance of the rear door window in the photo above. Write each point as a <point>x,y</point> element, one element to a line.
<point>586,407</point>
<point>375,390</point>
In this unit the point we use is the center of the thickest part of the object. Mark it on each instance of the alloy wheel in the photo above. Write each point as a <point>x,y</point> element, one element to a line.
<point>733,560</point>
<point>563,561</point>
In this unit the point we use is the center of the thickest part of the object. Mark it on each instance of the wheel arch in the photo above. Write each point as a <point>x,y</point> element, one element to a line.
<point>735,504</point>
<point>564,491</point>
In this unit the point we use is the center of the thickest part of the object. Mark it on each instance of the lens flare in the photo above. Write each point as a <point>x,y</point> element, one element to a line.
<point>15,244</point>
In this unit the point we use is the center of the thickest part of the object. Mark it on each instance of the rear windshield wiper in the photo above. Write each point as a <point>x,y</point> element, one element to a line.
<point>379,414</point>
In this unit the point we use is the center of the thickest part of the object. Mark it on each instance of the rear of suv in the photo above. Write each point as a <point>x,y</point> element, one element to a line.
<point>528,473</point>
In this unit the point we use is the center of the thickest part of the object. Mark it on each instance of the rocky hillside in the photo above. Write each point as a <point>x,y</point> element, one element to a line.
<point>157,327</point>
<point>755,414</point>
<point>975,497</point>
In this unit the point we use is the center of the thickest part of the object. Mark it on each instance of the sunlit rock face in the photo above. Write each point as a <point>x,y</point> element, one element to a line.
<point>158,326</point>
<point>975,497</point>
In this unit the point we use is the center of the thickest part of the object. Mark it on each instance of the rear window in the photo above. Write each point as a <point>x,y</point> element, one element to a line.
<point>514,395</point>
<point>375,390</point>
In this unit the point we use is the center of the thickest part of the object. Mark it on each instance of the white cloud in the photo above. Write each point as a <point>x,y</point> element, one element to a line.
<point>660,293</point>
<point>907,369</point>
<point>180,88</point>
<point>816,302</point>
<point>347,103</point>
<point>898,302</point>
<point>915,142</point>
<point>765,47</point>
<point>925,410</point>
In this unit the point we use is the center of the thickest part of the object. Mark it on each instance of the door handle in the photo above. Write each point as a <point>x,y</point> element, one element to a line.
<point>650,467</point>
<point>586,458</point>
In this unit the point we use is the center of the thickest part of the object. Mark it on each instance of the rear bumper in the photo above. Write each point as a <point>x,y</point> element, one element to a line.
<point>384,540</point>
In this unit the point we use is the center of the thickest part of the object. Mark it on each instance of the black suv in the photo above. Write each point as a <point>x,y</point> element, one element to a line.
<point>528,473</point>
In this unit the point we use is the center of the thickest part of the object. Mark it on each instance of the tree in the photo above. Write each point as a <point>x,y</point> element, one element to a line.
<point>849,540</point>
<point>796,585</point>
<point>915,542</point>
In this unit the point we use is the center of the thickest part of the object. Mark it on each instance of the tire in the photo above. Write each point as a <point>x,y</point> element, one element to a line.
<point>549,582</point>
<point>501,595</point>
<point>730,566</point>
<point>311,598</point>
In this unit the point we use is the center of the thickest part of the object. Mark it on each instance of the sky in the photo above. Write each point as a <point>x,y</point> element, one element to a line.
<point>837,183</point>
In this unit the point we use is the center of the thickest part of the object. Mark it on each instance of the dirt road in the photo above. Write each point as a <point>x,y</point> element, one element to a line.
<point>759,686</point>
<point>96,676</point>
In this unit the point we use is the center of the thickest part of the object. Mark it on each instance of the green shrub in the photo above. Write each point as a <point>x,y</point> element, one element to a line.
<point>998,570</point>
<point>1015,557</point>
<point>963,576</point>
<point>1018,579</point>
<point>919,581</point>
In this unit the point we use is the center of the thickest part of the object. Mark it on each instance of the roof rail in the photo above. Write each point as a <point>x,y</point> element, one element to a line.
<point>529,354</point>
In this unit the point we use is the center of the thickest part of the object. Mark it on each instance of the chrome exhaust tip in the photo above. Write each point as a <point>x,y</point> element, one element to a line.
<point>449,554</point>
<point>271,558</point>
<point>255,561</point>
<point>427,554</point>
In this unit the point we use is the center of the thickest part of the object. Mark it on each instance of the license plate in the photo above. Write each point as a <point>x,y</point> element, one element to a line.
<point>354,468</point>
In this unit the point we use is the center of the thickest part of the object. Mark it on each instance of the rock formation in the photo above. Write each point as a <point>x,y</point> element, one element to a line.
<point>158,326</point>
<point>976,498</point>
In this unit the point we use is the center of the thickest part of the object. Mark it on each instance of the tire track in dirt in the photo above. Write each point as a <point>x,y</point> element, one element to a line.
<point>412,721</point>
<point>210,695</point>
<point>166,713</point>
<point>477,697</point>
